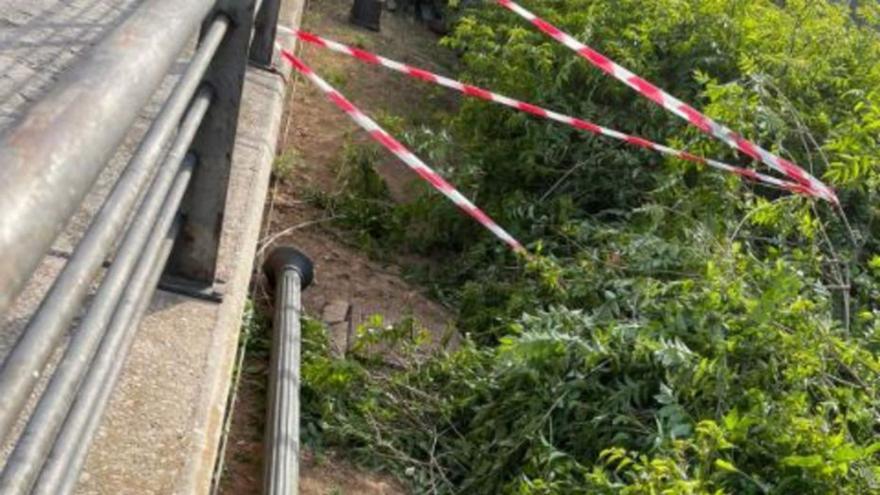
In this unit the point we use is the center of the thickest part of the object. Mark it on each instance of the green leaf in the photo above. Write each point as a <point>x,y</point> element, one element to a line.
<point>803,461</point>
<point>725,465</point>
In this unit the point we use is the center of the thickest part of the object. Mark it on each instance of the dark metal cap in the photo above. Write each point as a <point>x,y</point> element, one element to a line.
<point>366,14</point>
<point>285,257</point>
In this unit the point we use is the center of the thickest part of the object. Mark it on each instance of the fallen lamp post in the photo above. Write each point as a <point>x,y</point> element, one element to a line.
<point>289,271</point>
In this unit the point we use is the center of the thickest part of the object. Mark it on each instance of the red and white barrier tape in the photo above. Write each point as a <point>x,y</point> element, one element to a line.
<point>411,160</point>
<point>477,92</point>
<point>676,106</point>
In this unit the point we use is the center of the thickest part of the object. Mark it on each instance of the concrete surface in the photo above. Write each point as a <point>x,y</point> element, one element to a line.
<point>165,419</point>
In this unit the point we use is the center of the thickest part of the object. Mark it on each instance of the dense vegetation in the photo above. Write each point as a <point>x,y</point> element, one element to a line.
<point>679,331</point>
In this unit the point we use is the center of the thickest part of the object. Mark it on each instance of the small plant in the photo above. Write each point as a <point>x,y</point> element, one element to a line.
<point>363,202</point>
<point>286,163</point>
<point>361,41</point>
<point>337,77</point>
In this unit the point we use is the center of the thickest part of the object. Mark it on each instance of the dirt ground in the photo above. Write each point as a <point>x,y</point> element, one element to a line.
<point>311,146</point>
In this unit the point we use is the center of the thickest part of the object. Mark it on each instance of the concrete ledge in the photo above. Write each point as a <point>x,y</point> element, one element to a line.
<point>260,125</point>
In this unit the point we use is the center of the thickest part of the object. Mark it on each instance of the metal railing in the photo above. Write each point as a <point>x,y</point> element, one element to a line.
<point>52,158</point>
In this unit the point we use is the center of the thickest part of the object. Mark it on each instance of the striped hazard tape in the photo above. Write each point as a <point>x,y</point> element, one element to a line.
<point>398,149</point>
<point>477,92</point>
<point>677,107</point>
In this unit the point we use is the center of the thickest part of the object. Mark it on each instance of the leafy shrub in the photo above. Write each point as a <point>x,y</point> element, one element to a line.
<point>677,331</point>
<point>728,379</point>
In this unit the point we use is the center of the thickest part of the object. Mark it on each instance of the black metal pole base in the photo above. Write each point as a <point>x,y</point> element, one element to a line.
<point>287,257</point>
<point>366,14</point>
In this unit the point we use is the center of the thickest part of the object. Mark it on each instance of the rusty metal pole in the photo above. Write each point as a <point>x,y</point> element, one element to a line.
<point>289,271</point>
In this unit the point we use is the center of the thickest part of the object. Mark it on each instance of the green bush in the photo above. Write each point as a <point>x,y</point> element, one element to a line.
<point>678,330</point>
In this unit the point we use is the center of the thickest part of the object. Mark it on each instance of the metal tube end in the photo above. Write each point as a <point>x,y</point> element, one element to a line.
<point>284,257</point>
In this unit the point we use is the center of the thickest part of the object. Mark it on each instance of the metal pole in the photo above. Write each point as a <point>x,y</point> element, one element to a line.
<point>71,476</point>
<point>367,14</point>
<point>52,157</point>
<point>290,271</point>
<point>265,30</point>
<point>63,466</point>
<point>44,332</point>
<point>43,425</point>
<point>194,258</point>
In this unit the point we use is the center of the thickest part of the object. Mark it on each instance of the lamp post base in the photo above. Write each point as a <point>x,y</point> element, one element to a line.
<point>366,14</point>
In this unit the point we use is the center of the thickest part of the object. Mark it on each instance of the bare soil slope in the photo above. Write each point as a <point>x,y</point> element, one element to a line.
<point>311,148</point>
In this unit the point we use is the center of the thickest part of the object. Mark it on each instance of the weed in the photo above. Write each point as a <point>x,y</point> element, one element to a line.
<point>336,76</point>
<point>286,163</point>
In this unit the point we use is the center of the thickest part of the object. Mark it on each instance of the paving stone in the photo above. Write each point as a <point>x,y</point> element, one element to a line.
<point>337,311</point>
